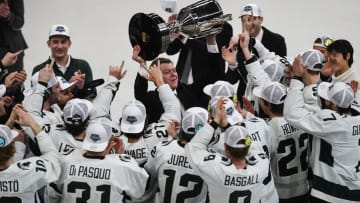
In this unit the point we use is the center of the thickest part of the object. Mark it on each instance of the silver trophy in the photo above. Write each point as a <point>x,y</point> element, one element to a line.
<point>197,20</point>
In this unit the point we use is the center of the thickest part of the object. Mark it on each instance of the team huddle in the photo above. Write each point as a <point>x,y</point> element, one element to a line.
<point>289,133</point>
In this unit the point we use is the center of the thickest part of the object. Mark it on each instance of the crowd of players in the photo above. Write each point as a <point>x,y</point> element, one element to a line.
<point>293,135</point>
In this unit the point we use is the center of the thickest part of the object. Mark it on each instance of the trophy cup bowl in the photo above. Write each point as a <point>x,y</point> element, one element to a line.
<point>197,20</point>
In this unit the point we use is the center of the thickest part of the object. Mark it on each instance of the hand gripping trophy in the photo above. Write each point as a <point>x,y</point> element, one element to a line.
<point>197,20</point>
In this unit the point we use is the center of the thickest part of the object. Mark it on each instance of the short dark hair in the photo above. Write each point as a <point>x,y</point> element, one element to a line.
<point>275,108</point>
<point>342,46</point>
<point>7,152</point>
<point>162,60</point>
<point>185,136</point>
<point>75,130</point>
<point>238,153</point>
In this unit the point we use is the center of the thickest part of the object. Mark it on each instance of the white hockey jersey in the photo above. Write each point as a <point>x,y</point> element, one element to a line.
<point>289,158</point>
<point>177,179</point>
<point>21,181</point>
<point>336,170</point>
<point>106,179</point>
<point>225,182</point>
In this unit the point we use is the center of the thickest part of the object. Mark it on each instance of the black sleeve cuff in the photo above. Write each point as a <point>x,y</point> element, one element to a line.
<point>214,125</point>
<point>325,78</point>
<point>251,60</point>
<point>298,78</point>
<point>43,83</point>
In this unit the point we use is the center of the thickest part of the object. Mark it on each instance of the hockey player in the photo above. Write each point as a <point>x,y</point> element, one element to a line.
<point>288,146</point>
<point>20,181</point>
<point>336,139</point>
<point>238,176</point>
<point>177,180</point>
<point>96,175</point>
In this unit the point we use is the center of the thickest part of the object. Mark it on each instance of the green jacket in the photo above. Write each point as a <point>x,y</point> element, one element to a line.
<point>74,66</point>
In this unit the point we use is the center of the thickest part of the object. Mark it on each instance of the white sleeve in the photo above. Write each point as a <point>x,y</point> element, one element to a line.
<point>20,151</point>
<point>170,104</point>
<point>49,152</point>
<point>136,177</point>
<point>212,48</point>
<point>297,115</point>
<point>102,102</point>
<point>34,101</point>
<point>259,76</point>
<point>263,52</point>
<point>197,147</point>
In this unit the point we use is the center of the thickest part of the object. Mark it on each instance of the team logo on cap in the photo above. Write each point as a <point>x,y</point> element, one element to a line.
<point>327,42</point>
<point>131,119</point>
<point>95,137</point>
<point>2,141</point>
<point>248,9</point>
<point>198,127</point>
<point>60,29</point>
<point>75,119</point>
<point>229,111</point>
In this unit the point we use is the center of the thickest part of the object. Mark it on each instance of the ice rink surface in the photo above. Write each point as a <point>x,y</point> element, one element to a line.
<point>99,29</point>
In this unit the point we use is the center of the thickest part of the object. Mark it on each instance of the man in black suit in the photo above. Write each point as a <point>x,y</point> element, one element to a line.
<point>194,61</point>
<point>11,38</point>
<point>252,19</point>
<point>187,94</point>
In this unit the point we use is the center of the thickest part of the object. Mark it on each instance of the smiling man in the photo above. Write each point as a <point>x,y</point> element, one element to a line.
<point>70,68</point>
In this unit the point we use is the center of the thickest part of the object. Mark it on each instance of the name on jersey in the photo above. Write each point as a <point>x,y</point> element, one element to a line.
<point>90,172</point>
<point>255,136</point>
<point>9,186</point>
<point>356,130</point>
<point>136,153</point>
<point>179,160</point>
<point>288,129</point>
<point>241,180</point>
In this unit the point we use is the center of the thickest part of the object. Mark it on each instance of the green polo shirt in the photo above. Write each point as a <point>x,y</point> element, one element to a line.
<point>74,66</point>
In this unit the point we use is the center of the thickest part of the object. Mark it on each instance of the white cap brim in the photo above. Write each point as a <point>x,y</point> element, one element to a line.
<point>207,89</point>
<point>132,128</point>
<point>257,91</point>
<point>2,90</point>
<point>88,146</point>
<point>235,118</point>
<point>323,90</point>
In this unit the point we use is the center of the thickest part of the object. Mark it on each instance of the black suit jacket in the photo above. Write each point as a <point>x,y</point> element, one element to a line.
<point>188,95</point>
<point>274,42</point>
<point>11,38</point>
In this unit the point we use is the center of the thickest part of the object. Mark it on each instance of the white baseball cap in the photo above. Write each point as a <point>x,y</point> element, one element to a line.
<point>234,135</point>
<point>63,83</point>
<point>252,10</point>
<point>76,111</point>
<point>219,89</point>
<point>273,92</point>
<point>312,59</point>
<point>59,29</point>
<point>133,117</point>
<point>194,118</point>
<point>6,135</point>
<point>338,93</point>
<point>274,69</point>
<point>2,90</point>
<point>96,137</point>
<point>233,116</point>
<point>323,41</point>
<point>169,6</point>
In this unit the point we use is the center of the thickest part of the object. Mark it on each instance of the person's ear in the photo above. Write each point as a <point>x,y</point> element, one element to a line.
<point>48,43</point>
<point>347,56</point>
